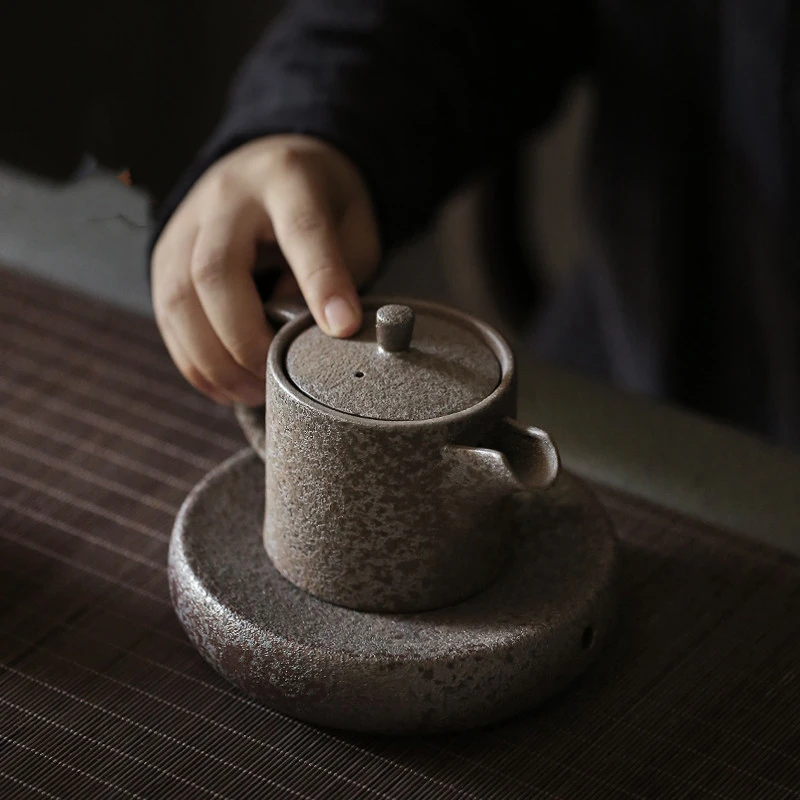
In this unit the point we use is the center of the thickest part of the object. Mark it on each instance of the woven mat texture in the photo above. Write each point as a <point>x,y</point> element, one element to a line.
<point>102,696</point>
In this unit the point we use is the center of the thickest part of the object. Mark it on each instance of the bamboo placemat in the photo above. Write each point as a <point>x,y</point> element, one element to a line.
<point>101,694</point>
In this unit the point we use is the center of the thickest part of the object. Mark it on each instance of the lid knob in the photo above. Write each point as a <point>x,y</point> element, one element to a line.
<point>394,326</point>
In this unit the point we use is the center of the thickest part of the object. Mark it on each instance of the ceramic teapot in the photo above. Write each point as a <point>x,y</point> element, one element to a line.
<point>393,458</point>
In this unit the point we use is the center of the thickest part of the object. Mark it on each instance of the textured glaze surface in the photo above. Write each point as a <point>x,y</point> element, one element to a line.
<point>446,368</point>
<point>500,652</point>
<point>393,515</point>
<point>381,519</point>
<point>374,514</point>
<point>394,327</point>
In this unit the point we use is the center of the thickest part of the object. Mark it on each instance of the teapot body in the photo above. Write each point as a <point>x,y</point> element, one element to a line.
<point>372,514</point>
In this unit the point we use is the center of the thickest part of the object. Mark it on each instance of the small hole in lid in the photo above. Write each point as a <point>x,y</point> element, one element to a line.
<point>587,640</point>
<point>358,374</point>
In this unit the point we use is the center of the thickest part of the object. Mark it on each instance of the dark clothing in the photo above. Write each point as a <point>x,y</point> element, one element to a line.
<point>692,178</point>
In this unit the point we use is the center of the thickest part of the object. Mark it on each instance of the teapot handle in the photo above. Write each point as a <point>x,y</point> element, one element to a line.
<point>279,312</point>
<point>531,453</point>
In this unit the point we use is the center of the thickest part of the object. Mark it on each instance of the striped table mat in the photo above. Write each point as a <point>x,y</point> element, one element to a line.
<point>102,696</point>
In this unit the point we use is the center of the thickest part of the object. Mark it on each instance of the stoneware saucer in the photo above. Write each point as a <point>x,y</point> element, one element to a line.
<point>500,652</point>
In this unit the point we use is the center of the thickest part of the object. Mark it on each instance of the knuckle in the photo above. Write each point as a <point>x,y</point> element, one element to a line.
<point>219,374</point>
<point>172,298</point>
<point>208,267</point>
<point>219,186</point>
<point>224,379</point>
<point>251,354</point>
<point>307,220</point>
<point>322,271</point>
<point>197,379</point>
<point>289,159</point>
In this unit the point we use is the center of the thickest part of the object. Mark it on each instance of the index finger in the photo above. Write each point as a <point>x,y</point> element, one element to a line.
<point>306,230</point>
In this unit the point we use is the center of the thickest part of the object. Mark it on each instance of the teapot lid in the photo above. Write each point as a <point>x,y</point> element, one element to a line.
<point>400,366</point>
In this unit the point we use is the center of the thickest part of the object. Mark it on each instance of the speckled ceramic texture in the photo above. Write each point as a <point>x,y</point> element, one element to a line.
<point>395,516</point>
<point>529,634</point>
<point>394,327</point>
<point>447,368</point>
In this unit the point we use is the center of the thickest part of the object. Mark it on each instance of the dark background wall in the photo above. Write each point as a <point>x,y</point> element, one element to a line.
<point>138,85</point>
<point>142,90</point>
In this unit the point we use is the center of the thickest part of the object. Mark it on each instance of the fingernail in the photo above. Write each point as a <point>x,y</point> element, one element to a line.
<point>339,316</point>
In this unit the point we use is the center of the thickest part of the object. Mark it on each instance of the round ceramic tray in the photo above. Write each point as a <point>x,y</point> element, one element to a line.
<point>502,651</point>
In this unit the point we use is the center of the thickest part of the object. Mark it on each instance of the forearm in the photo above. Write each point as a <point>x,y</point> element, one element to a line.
<point>418,93</point>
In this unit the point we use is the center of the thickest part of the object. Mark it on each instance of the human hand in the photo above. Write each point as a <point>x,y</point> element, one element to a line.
<point>293,191</point>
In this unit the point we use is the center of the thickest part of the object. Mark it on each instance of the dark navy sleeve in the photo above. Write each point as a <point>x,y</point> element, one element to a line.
<point>418,93</point>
